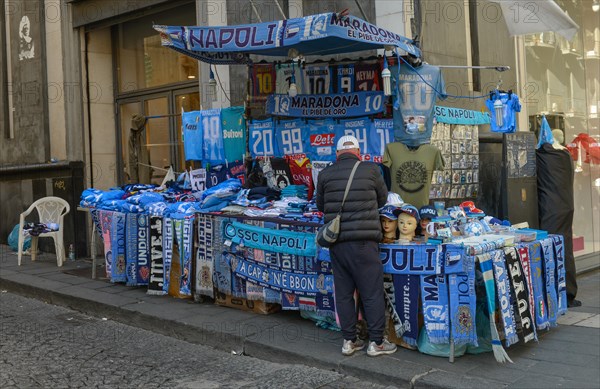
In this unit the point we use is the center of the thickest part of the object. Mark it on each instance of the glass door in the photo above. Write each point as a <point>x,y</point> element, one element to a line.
<point>186,100</point>
<point>158,139</point>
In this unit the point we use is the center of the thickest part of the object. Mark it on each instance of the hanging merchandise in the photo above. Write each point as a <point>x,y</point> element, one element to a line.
<point>210,121</point>
<point>319,141</point>
<point>411,170</point>
<point>416,91</point>
<point>367,76</point>
<point>233,126</point>
<point>316,79</point>
<point>262,138</point>
<point>286,74</point>
<point>343,78</point>
<point>192,136</point>
<point>288,134</point>
<point>502,107</point>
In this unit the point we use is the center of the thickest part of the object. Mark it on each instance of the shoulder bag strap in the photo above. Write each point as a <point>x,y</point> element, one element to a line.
<point>349,184</point>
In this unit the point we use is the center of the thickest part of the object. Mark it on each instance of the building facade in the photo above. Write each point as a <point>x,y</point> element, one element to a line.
<point>74,72</point>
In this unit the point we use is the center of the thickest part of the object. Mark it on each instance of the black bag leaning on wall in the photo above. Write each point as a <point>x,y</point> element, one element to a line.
<point>328,234</point>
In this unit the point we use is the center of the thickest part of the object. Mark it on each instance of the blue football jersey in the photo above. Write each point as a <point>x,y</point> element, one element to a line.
<point>344,78</point>
<point>382,133</point>
<point>192,136</point>
<point>510,105</point>
<point>319,141</point>
<point>234,133</point>
<point>262,138</point>
<point>214,152</point>
<point>289,137</point>
<point>414,102</point>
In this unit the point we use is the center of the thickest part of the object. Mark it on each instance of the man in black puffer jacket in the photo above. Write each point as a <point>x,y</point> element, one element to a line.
<point>355,255</point>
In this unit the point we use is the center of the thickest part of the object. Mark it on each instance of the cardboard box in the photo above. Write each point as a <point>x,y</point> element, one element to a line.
<point>255,306</point>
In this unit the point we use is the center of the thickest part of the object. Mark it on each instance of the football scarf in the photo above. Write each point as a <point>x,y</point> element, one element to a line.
<point>183,233</point>
<point>106,225</point>
<point>290,302</point>
<point>485,262</point>
<point>204,257</point>
<point>142,266</point>
<point>434,293</point>
<point>550,269</point>
<point>253,290</point>
<point>526,265</point>
<point>390,304</point>
<point>561,285</point>
<point>517,278</point>
<point>463,305</point>
<point>535,260</point>
<point>117,271</point>
<point>157,275</point>
<point>504,298</point>
<point>307,303</point>
<point>131,233</point>
<point>223,272</point>
<point>325,305</point>
<point>167,242</point>
<point>95,214</point>
<point>406,299</point>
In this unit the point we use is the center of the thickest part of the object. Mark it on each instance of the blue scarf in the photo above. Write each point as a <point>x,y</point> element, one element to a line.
<point>271,296</point>
<point>537,273</point>
<point>279,241</point>
<point>390,305</point>
<point>525,323</point>
<point>142,266</point>
<point>157,273</point>
<point>561,275</point>
<point>167,251</point>
<point>290,302</point>
<point>325,305</point>
<point>485,262</point>
<point>463,305</point>
<point>523,252</point>
<point>95,214</point>
<point>434,293</point>
<point>131,232</point>
<point>204,257</point>
<point>106,224</point>
<point>223,272</point>
<point>550,265</point>
<point>504,298</point>
<point>410,259</point>
<point>184,233</point>
<point>118,248</point>
<point>406,299</point>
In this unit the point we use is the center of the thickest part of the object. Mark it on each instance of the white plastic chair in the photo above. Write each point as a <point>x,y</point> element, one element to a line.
<point>50,210</point>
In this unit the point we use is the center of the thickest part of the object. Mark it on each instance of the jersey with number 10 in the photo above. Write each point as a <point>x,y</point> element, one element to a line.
<point>262,78</point>
<point>262,138</point>
<point>316,79</point>
<point>214,152</point>
<point>415,90</point>
<point>289,137</point>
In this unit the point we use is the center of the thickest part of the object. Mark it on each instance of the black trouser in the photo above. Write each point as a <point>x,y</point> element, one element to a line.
<point>356,265</point>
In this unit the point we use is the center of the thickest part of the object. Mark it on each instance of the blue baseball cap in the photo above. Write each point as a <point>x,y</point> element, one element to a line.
<point>408,209</point>
<point>387,211</point>
<point>427,212</point>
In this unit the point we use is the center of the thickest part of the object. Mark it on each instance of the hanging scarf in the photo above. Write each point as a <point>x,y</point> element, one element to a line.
<point>204,257</point>
<point>167,251</point>
<point>142,266</point>
<point>390,304</point>
<point>561,275</point>
<point>504,298</point>
<point>535,259</point>
<point>517,278</point>
<point>106,223</point>
<point>118,237</point>
<point>550,270</point>
<point>485,262</point>
<point>463,304</point>
<point>406,299</point>
<point>526,266</point>
<point>434,292</point>
<point>157,273</point>
<point>184,230</point>
<point>95,214</point>
<point>326,305</point>
<point>131,233</point>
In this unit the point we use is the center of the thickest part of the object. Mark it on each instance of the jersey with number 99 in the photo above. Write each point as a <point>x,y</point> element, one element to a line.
<point>289,137</point>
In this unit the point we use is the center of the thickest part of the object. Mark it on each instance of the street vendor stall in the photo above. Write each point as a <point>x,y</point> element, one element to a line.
<point>242,226</point>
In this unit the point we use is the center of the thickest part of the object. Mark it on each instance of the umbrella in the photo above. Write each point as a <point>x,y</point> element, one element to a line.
<point>534,16</point>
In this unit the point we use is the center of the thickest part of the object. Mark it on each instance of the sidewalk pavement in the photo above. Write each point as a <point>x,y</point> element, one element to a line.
<point>567,356</point>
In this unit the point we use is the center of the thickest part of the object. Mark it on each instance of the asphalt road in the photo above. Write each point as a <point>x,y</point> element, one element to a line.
<point>42,345</point>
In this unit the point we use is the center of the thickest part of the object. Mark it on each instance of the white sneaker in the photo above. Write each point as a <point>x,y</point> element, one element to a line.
<point>384,348</point>
<point>350,347</point>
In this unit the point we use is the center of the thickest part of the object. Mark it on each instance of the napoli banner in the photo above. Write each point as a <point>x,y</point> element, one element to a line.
<point>460,116</point>
<point>279,241</point>
<point>334,105</point>
<point>290,282</point>
<point>310,35</point>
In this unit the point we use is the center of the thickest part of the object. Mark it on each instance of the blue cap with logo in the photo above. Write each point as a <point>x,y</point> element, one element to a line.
<point>427,212</point>
<point>408,209</point>
<point>387,211</point>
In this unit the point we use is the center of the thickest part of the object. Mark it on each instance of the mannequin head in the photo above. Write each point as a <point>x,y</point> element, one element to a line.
<point>408,219</point>
<point>389,223</point>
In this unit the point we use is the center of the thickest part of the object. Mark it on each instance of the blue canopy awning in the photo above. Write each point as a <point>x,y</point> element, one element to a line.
<point>322,34</point>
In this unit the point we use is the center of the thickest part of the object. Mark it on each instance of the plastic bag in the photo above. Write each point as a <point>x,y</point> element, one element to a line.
<point>13,240</point>
<point>438,350</point>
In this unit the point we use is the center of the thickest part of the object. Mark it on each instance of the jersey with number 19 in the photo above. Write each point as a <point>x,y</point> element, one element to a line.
<point>214,152</point>
<point>262,138</point>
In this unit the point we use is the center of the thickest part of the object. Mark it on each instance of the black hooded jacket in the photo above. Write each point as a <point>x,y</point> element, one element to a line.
<point>368,193</point>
